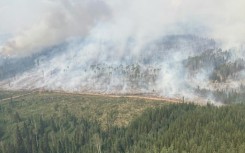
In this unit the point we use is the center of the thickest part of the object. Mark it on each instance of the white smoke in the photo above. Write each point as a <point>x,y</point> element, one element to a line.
<point>113,32</point>
<point>61,20</point>
<point>50,22</point>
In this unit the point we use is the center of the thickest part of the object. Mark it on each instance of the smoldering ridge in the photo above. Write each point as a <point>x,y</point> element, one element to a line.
<point>130,46</point>
<point>72,66</point>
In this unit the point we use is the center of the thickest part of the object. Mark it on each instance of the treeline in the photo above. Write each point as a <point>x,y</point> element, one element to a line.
<point>208,59</point>
<point>137,75</point>
<point>226,96</point>
<point>219,62</point>
<point>178,128</point>
<point>228,70</point>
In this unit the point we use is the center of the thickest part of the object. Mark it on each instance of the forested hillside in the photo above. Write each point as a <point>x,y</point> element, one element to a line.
<point>168,128</point>
<point>171,66</point>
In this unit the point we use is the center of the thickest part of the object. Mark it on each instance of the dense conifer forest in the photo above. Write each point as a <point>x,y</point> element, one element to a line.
<point>169,128</point>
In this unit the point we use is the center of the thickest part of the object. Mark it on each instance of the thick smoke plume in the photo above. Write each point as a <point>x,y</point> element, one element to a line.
<point>59,21</point>
<point>120,45</point>
<point>50,22</point>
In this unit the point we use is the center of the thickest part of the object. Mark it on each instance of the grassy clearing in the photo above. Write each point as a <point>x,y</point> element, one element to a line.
<point>120,111</point>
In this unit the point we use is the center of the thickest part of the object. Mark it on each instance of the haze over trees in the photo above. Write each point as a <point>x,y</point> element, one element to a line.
<point>160,68</point>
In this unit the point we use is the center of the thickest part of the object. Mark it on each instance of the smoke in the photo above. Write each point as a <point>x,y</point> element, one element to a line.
<point>148,20</point>
<point>59,21</point>
<point>118,34</point>
<point>51,22</point>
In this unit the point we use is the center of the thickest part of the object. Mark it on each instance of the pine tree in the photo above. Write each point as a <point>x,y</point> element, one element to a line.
<point>19,143</point>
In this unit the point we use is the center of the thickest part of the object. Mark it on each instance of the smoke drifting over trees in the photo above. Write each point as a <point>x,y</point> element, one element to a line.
<point>165,47</point>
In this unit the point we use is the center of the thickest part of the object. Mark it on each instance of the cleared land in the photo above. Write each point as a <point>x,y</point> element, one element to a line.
<point>120,110</point>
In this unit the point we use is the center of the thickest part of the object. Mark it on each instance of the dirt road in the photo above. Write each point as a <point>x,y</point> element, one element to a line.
<point>172,100</point>
<point>16,97</point>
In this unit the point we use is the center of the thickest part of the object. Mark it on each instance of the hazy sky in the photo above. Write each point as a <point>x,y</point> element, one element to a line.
<point>35,24</point>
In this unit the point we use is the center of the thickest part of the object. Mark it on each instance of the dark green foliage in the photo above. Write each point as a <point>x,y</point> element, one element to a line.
<point>191,128</point>
<point>171,129</point>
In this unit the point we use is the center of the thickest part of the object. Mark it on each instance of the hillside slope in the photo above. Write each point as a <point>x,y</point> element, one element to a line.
<point>51,122</point>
